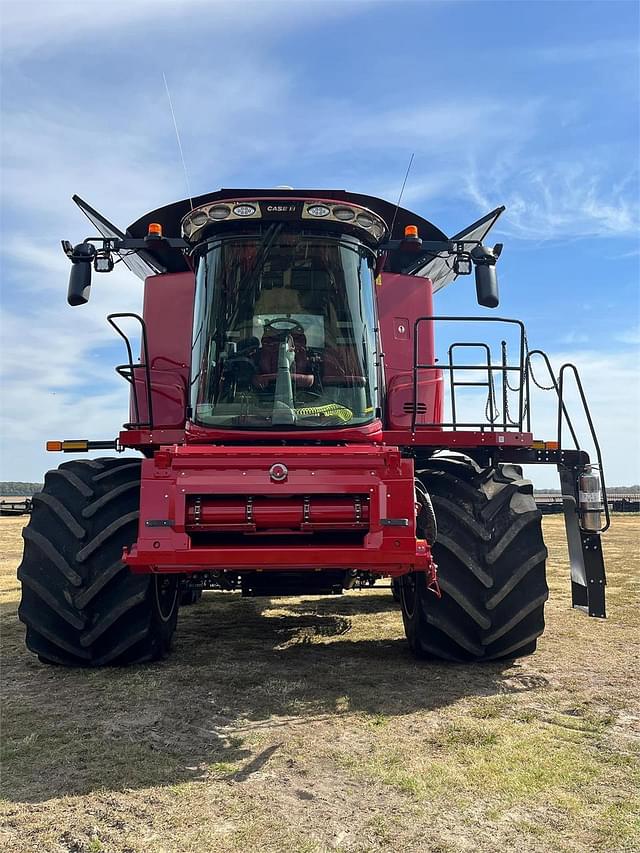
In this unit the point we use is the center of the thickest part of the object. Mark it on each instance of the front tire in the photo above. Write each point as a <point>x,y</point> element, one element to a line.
<point>491,566</point>
<point>81,604</point>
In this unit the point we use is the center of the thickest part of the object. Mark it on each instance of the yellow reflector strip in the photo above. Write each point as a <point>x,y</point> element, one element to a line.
<point>78,444</point>
<point>538,445</point>
<point>54,445</point>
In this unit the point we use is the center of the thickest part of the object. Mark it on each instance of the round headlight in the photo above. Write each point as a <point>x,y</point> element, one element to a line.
<point>318,210</point>
<point>344,213</point>
<point>199,219</point>
<point>220,211</point>
<point>364,220</point>
<point>377,230</point>
<point>244,210</point>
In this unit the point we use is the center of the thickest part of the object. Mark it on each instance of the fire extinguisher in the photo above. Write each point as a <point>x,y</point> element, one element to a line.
<point>590,500</point>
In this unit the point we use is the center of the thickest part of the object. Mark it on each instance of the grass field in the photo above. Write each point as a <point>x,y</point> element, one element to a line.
<point>304,725</point>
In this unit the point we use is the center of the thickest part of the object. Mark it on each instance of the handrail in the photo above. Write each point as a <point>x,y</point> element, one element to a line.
<point>417,366</point>
<point>594,438</point>
<point>561,407</point>
<point>131,367</point>
<point>488,384</point>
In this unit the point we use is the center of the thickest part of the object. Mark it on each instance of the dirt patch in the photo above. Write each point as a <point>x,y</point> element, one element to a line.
<point>304,725</point>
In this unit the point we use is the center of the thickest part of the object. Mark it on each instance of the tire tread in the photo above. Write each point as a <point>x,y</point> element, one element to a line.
<point>81,604</point>
<point>491,565</point>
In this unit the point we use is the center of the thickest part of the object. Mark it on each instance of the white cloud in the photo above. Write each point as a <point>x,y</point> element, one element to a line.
<point>610,381</point>
<point>65,22</point>
<point>574,337</point>
<point>563,199</point>
<point>54,382</point>
<point>629,336</point>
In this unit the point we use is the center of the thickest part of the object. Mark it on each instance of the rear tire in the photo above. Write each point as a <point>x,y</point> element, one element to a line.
<point>491,566</point>
<point>81,604</point>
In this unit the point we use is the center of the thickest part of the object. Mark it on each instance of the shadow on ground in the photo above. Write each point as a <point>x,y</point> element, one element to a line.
<point>239,666</point>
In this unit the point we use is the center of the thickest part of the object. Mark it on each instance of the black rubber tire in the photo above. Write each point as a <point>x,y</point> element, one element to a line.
<point>81,604</point>
<point>491,566</point>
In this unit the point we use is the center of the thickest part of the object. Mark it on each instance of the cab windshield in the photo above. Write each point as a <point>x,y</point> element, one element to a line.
<point>284,332</point>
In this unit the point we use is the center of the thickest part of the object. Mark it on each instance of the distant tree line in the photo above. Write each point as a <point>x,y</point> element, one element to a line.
<point>11,489</point>
<point>611,490</point>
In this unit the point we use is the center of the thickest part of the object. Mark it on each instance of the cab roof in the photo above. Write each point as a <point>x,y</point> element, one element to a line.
<point>170,216</point>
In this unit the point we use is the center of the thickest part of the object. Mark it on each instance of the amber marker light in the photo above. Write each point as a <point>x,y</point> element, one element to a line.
<point>154,230</point>
<point>55,446</point>
<point>411,231</point>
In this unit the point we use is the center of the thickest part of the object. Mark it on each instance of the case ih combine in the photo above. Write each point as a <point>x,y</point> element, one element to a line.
<point>290,409</point>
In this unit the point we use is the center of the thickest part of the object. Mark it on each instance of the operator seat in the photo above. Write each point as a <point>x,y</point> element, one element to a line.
<point>342,368</point>
<point>301,372</point>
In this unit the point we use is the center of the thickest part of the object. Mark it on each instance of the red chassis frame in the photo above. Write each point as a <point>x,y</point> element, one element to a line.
<point>178,476</point>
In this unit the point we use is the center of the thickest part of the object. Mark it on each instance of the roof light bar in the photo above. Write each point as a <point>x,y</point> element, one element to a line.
<point>197,220</point>
<point>318,210</point>
<point>344,214</point>
<point>357,216</point>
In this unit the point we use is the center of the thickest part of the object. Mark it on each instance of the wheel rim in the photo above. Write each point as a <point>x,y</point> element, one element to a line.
<point>408,593</point>
<point>166,592</point>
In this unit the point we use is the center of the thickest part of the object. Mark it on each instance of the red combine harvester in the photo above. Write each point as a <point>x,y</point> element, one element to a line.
<point>290,408</point>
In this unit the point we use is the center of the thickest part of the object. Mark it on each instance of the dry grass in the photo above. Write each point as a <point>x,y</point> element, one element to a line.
<point>304,725</point>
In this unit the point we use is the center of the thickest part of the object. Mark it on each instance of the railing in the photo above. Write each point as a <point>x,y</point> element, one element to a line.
<point>491,375</point>
<point>562,415</point>
<point>128,371</point>
<point>491,422</point>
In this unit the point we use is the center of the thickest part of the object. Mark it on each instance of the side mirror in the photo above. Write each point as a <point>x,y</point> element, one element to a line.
<point>80,276</point>
<point>484,261</point>
<point>487,286</point>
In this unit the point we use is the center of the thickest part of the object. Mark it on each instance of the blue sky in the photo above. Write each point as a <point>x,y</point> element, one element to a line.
<point>529,104</point>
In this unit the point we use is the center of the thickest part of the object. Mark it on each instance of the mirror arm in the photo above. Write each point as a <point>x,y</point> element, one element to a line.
<point>86,254</point>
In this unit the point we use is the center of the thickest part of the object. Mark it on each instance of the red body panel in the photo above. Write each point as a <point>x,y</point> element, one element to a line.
<point>208,502</point>
<point>401,299</point>
<point>439,438</point>
<point>268,513</point>
<point>168,315</point>
<point>383,541</point>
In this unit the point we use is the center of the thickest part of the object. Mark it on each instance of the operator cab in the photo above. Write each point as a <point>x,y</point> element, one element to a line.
<point>284,323</point>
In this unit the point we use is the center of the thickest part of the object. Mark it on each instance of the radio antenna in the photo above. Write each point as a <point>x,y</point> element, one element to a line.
<point>175,125</point>
<point>404,183</point>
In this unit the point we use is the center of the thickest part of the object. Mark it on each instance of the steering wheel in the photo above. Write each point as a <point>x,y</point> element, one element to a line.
<point>283,325</point>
